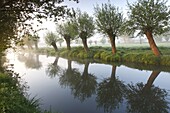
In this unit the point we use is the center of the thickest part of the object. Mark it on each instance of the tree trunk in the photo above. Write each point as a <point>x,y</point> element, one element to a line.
<point>69,67</point>
<point>56,61</point>
<point>151,79</point>
<point>85,72</point>
<point>113,74</point>
<point>84,40</point>
<point>67,39</point>
<point>112,41</point>
<point>54,46</point>
<point>152,44</point>
<point>36,45</point>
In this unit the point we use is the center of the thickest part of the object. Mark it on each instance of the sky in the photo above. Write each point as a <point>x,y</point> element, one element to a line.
<point>84,5</point>
<point>88,6</point>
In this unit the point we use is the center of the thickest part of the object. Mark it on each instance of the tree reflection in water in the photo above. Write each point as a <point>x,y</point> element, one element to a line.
<point>69,76</point>
<point>110,92</point>
<point>31,60</point>
<point>53,69</point>
<point>82,85</point>
<point>146,98</point>
<point>86,86</point>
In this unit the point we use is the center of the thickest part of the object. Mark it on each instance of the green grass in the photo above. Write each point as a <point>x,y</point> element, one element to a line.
<point>137,54</point>
<point>13,98</point>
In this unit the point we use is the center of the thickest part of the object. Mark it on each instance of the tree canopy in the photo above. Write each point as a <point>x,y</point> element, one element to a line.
<point>150,17</point>
<point>85,26</point>
<point>14,15</point>
<point>109,21</point>
<point>51,39</point>
<point>68,31</point>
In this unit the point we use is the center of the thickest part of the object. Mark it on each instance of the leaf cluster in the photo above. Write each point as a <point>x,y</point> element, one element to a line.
<point>51,37</point>
<point>67,29</point>
<point>14,15</point>
<point>148,15</point>
<point>85,24</point>
<point>108,19</point>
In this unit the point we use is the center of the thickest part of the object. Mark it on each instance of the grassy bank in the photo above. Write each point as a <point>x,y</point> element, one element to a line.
<point>142,55</point>
<point>13,92</point>
<point>13,98</point>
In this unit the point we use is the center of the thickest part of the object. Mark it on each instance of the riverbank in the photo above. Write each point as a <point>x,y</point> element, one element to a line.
<point>13,92</point>
<point>141,55</point>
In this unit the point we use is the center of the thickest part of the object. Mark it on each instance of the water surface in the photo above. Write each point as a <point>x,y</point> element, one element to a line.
<point>89,87</point>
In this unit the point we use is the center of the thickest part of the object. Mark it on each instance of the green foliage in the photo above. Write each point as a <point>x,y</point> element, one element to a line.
<point>117,57</point>
<point>64,53</point>
<point>12,99</point>
<point>50,37</point>
<point>15,14</point>
<point>108,19</point>
<point>85,24</point>
<point>48,51</point>
<point>148,15</point>
<point>106,56</point>
<point>141,58</point>
<point>67,29</point>
<point>82,54</point>
<point>97,54</point>
<point>73,53</point>
<point>52,52</point>
<point>141,55</point>
<point>165,60</point>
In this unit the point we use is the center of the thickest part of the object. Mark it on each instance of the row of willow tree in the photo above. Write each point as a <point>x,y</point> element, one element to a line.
<point>110,92</point>
<point>148,17</point>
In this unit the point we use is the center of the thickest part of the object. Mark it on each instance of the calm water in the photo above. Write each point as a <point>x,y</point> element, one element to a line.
<point>85,87</point>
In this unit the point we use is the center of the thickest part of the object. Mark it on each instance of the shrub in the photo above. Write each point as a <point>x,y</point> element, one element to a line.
<point>117,57</point>
<point>64,53</point>
<point>142,58</point>
<point>165,60</point>
<point>97,55</point>
<point>106,56</point>
<point>134,55</point>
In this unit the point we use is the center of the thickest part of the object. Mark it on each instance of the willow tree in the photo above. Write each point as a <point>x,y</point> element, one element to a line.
<point>85,27</point>
<point>29,40</point>
<point>15,14</point>
<point>51,39</point>
<point>109,21</point>
<point>68,31</point>
<point>150,17</point>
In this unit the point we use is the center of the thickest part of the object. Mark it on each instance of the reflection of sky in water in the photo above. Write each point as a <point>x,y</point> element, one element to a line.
<point>57,98</point>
